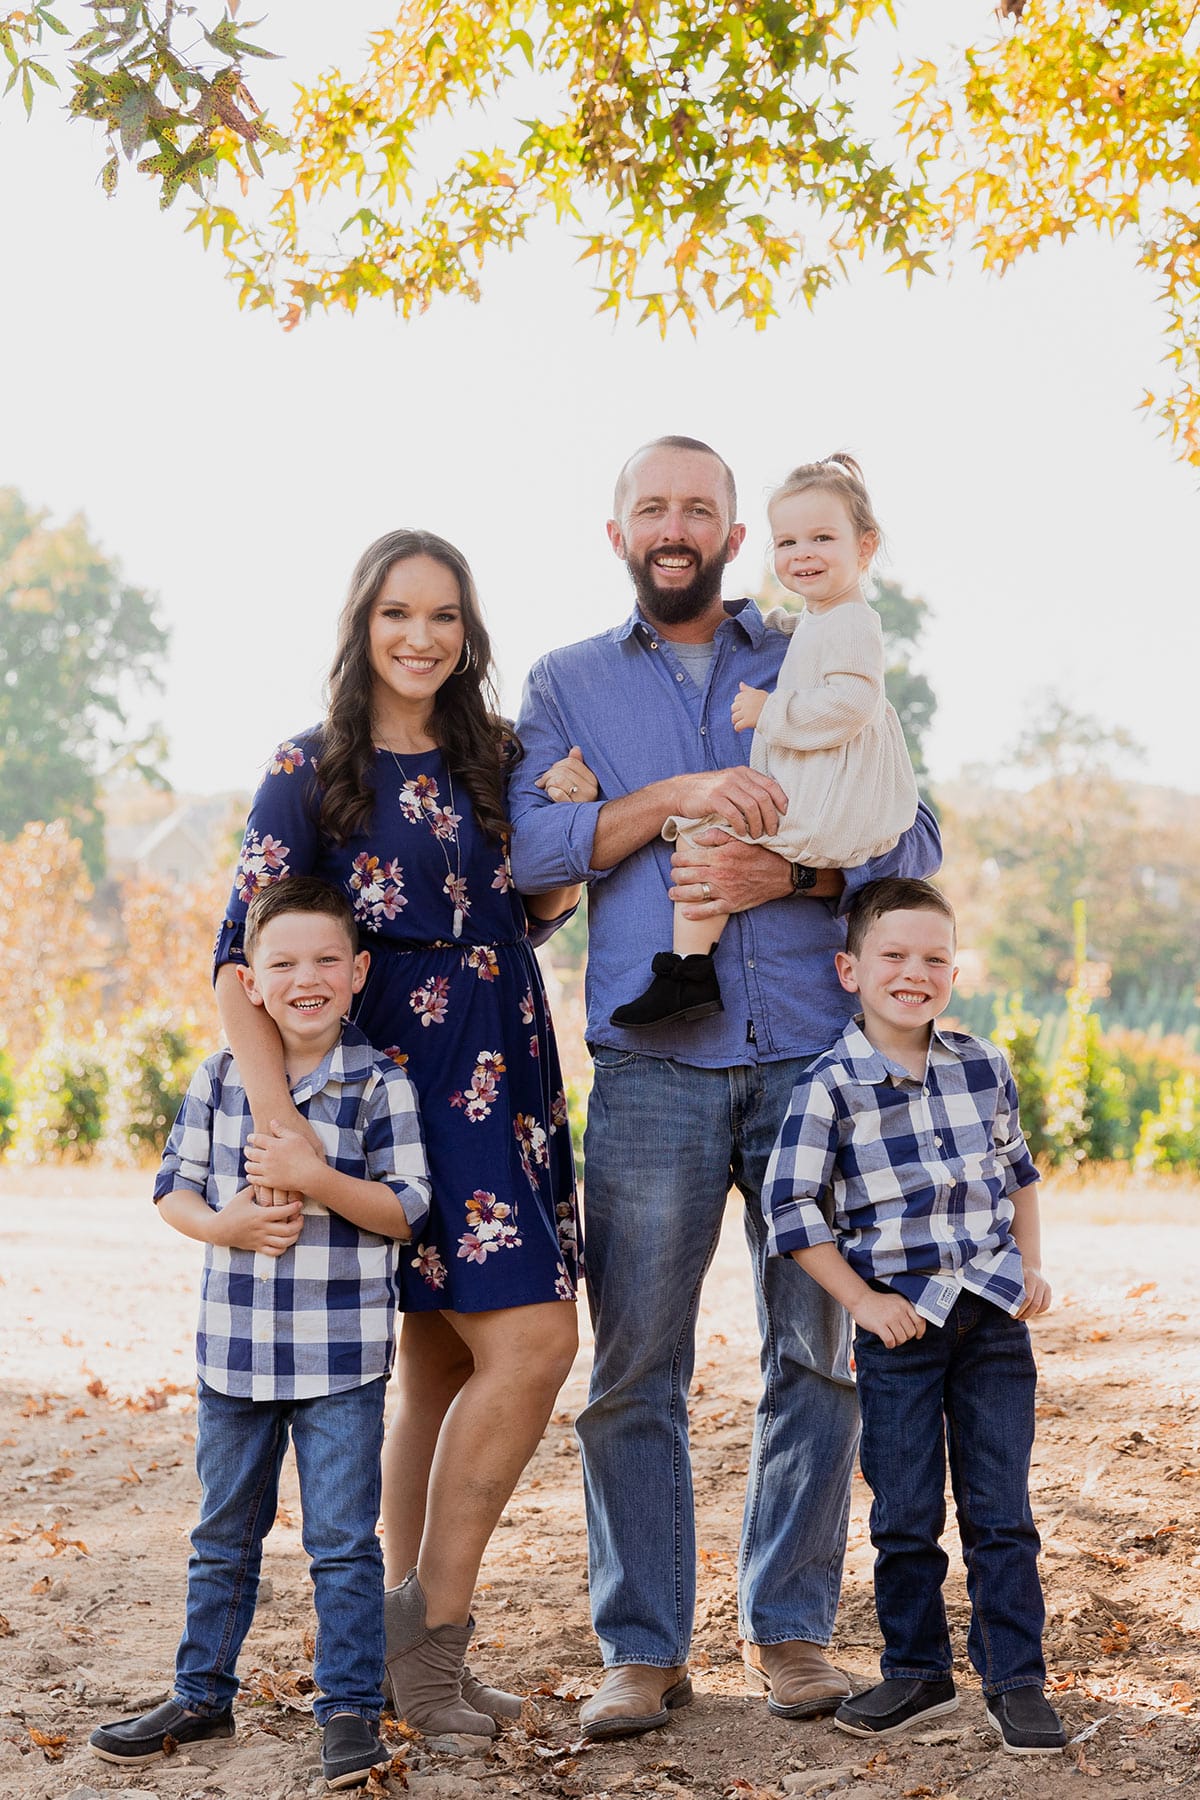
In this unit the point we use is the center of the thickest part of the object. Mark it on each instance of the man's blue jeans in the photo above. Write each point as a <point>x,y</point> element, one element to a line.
<point>240,1446</point>
<point>665,1141</point>
<point>968,1384</point>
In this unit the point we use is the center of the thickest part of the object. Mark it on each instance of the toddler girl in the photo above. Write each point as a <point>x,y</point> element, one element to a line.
<point>826,734</point>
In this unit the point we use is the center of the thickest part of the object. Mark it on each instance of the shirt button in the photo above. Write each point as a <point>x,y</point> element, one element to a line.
<point>704,731</point>
<point>750,963</point>
<point>679,677</point>
<point>937,1143</point>
<point>653,645</point>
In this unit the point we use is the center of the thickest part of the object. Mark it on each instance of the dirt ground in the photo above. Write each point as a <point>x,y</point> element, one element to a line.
<point>96,1426</point>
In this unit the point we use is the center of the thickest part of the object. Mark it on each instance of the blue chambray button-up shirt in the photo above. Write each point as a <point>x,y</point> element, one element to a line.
<point>912,1176</point>
<point>626,698</point>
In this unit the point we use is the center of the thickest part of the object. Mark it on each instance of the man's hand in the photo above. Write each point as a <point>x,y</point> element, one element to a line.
<point>747,707</point>
<point>244,1225</point>
<point>1037,1295</point>
<point>726,876</point>
<point>569,779</point>
<point>889,1317</point>
<point>279,1159</point>
<point>751,802</point>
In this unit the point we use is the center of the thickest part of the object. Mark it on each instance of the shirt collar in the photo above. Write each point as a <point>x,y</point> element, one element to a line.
<point>742,613</point>
<point>349,1060</point>
<point>871,1065</point>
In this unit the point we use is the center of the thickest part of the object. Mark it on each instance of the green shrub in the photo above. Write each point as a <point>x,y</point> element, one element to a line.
<point>150,1060</point>
<point>1170,1136</point>
<point>8,1100</point>
<point>60,1099</point>
<point>1016,1032</point>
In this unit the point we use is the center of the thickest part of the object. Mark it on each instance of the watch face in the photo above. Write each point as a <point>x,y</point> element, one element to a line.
<point>802,878</point>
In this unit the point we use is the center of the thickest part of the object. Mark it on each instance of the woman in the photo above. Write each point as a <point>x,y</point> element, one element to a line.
<point>398,798</point>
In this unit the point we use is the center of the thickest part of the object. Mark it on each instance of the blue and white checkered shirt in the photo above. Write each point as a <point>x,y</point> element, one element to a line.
<point>320,1318</point>
<point>911,1177</point>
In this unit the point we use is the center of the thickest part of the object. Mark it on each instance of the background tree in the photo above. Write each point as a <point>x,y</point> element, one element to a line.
<point>1018,860</point>
<point>50,952</point>
<point>78,645</point>
<point>708,156</point>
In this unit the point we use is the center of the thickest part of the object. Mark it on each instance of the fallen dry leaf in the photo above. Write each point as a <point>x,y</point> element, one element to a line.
<point>50,1746</point>
<point>1143,1287</point>
<point>43,1586</point>
<point>6,1630</point>
<point>96,1388</point>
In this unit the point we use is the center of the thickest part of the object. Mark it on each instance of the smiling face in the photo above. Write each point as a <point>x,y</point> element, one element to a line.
<point>416,634</point>
<point>818,552</point>
<point>675,533</point>
<point>305,973</point>
<point>903,974</point>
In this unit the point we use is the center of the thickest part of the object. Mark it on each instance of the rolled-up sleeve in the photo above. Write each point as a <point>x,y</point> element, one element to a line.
<point>393,1144</point>
<point>1012,1152</point>
<point>187,1159</point>
<point>800,1173</point>
<point>551,843</point>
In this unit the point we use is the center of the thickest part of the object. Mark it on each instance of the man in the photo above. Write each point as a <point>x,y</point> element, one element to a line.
<point>680,1113</point>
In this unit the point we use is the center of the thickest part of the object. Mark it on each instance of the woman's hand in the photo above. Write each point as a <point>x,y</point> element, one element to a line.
<point>569,779</point>
<point>281,1162</point>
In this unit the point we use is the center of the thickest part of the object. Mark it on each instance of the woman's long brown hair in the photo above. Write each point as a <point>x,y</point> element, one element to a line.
<point>476,742</point>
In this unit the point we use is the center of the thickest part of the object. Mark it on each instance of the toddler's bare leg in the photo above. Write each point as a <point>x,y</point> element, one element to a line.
<point>696,937</point>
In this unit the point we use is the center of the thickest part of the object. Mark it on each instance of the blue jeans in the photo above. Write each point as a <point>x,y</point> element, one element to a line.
<point>240,1446</point>
<point>968,1384</point>
<point>665,1141</point>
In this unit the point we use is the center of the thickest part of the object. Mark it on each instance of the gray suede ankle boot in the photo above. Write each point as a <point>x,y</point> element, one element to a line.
<point>425,1668</point>
<point>493,1701</point>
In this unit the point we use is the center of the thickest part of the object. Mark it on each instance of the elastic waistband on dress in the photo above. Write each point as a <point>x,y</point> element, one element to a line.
<point>403,946</point>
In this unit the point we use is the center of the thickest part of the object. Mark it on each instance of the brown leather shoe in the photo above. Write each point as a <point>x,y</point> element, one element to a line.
<point>633,1698</point>
<point>801,1682</point>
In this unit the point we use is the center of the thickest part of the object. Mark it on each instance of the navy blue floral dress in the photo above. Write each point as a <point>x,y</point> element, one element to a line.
<point>466,1016</point>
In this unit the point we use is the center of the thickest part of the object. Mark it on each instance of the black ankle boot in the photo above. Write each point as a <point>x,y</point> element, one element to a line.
<point>684,987</point>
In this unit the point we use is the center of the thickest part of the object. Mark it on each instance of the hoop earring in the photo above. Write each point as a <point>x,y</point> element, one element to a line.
<point>468,658</point>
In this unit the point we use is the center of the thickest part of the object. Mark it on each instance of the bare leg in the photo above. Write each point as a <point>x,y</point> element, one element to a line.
<point>522,1356</point>
<point>696,937</point>
<point>432,1364</point>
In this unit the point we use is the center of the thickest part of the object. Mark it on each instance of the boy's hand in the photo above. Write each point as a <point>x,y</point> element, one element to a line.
<point>280,1159</point>
<point>889,1317</point>
<point>1037,1295</point>
<point>746,708</point>
<point>245,1225</point>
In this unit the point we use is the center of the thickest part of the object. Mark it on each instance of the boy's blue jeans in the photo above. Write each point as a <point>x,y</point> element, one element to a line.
<point>968,1385</point>
<point>240,1446</point>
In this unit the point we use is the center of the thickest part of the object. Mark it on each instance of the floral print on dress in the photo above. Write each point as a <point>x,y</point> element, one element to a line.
<point>287,759</point>
<point>531,1143</point>
<point>395,1054</point>
<point>377,890</point>
<point>567,1226</point>
<point>564,1288</point>
<point>480,1095</point>
<point>260,862</point>
<point>503,877</point>
<point>431,999</point>
<point>455,889</point>
<point>483,959</point>
<point>491,1226</point>
<point>429,1265</point>
<point>558,1111</point>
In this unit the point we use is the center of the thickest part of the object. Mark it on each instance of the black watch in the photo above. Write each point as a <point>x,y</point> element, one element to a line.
<point>802,878</point>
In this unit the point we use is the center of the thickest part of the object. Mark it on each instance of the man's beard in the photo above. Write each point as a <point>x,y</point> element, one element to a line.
<point>678,606</point>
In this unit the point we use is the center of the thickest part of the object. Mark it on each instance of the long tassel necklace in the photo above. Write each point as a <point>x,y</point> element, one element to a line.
<point>453,875</point>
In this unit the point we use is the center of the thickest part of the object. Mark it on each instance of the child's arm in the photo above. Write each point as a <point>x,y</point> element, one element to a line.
<point>284,1159</point>
<point>1027,1236</point>
<point>845,698</point>
<point>242,1225</point>
<point>888,1316</point>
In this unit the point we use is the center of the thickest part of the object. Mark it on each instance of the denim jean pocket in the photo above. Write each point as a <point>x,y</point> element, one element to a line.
<point>605,1057</point>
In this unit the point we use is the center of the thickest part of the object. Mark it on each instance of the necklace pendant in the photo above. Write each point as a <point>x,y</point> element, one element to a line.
<point>458,921</point>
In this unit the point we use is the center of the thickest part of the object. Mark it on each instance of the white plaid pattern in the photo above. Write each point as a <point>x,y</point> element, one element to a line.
<point>912,1178</point>
<point>320,1318</point>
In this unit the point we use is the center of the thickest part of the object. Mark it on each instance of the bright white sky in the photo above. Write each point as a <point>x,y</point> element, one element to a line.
<point>238,472</point>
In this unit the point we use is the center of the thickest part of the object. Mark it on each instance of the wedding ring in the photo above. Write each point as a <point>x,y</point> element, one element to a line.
<point>573,789</point>
<point>707,891</point>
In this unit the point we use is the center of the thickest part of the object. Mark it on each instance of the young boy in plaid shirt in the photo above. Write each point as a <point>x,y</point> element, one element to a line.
<point>295,1333</point>
<point>901,1182</point>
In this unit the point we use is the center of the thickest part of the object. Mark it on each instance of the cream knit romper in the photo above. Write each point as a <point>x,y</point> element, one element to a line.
<point>829,737</point>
